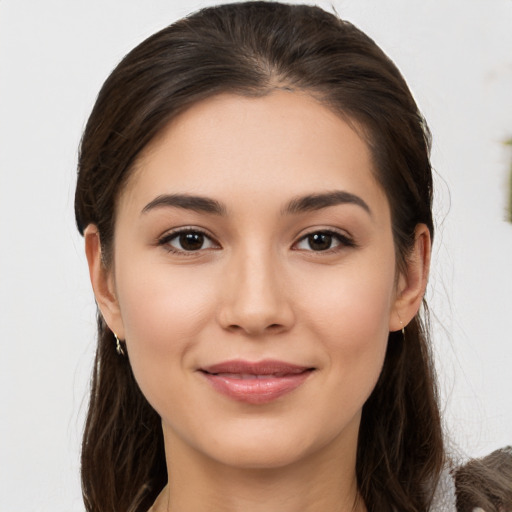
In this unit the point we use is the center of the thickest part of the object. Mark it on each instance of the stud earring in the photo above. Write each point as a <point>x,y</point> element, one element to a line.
<point>119,348</point>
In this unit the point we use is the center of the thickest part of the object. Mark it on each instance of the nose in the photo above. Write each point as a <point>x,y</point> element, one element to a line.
<point>255,296</point>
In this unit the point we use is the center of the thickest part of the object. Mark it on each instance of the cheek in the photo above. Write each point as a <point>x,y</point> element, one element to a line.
<point>163,311</point>
<point>352,301</point>
<point>351,320</point>
<point>160,302</point>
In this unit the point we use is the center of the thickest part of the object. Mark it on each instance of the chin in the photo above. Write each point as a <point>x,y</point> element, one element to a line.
<point>274,447</point>
<point>260,457</point>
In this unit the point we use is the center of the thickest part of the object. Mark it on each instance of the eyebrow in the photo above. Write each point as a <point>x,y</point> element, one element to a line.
<point>186,202</point>
<point>314,202</point>
<point>302,204</point>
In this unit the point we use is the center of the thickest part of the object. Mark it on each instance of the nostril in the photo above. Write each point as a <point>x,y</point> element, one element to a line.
<point>274,328</point>
<point>255,330</point>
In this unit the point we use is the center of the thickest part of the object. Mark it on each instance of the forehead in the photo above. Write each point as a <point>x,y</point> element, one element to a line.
<point>281,144</point>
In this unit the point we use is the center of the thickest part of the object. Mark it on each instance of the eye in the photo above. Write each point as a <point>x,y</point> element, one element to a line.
<point>187,240</point>
<point>323,241</point>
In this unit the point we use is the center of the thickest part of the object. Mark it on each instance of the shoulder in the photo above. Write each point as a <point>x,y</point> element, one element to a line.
<point>485,484</point>
<point>479,485</point>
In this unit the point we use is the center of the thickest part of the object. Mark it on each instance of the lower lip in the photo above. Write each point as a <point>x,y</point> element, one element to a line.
<point>258,390</point>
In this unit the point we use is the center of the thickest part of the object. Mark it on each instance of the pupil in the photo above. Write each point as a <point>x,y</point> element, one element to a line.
<point>191,241</point>
<point>320,241</point>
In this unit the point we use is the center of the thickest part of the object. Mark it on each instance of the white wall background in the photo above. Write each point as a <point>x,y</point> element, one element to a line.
<point>54,56</point>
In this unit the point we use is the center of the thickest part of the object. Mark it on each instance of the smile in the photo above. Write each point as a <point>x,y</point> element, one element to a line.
<point>255,383</point>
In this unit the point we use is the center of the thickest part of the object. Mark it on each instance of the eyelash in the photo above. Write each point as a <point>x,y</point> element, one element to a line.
<point>343,241</point>
<point>165,241</point>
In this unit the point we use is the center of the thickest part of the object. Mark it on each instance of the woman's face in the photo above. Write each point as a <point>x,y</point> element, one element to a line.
<point>254,279</point>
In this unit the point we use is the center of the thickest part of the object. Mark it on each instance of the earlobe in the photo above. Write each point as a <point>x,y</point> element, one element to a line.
<point>412,281</point>
<point>102,281</point>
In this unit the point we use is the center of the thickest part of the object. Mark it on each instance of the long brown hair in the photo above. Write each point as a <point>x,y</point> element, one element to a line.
<point>250,49</point>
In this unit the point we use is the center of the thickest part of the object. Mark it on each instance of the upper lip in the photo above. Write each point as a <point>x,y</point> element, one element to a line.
<point>265,367</point>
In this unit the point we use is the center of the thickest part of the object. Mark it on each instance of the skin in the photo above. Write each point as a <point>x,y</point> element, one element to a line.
<point>257,288</point>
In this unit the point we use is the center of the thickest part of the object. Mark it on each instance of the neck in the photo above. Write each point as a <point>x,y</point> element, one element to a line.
<point>318,483</point>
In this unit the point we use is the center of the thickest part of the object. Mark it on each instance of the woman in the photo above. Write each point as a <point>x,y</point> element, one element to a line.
<point>255,193</point>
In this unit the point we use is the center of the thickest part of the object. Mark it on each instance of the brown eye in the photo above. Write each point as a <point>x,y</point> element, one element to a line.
<point>187,241</point>
<point>191,241</point>
<point>320,241</point>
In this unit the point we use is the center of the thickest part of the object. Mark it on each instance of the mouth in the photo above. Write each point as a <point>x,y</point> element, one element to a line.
<point>255,382</point>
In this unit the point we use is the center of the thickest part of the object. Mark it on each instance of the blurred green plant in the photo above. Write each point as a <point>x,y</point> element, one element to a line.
<point>509,205</point>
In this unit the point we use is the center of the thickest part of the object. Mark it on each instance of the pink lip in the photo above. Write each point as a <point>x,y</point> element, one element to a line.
<point>255,383</point>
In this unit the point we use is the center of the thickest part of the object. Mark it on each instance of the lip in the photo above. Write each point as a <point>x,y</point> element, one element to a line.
<point>255,382</point>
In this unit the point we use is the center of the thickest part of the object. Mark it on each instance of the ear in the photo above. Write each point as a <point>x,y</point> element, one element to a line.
<point>412,281</point>
<point>102,280</point>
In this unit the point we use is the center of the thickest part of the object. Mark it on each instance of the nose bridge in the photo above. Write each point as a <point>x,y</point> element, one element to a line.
<point>255,298</point>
